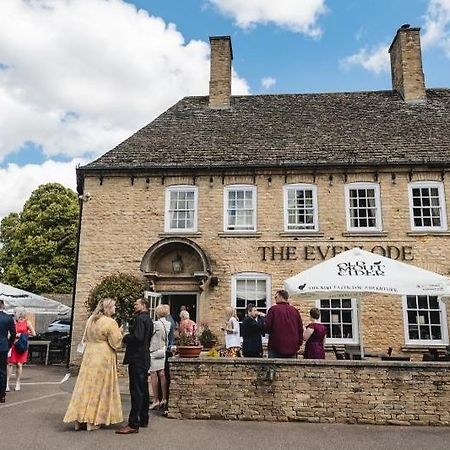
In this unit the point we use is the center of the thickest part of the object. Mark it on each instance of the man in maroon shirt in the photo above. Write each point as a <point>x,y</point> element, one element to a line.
<point>285,328</point>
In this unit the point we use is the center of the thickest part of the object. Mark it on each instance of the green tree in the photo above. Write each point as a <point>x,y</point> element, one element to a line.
<point>121,287</point>
<point>39,244</point>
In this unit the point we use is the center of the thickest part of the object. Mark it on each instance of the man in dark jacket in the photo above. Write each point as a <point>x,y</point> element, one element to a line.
<point>137,356</point>
<point>285,328</point>
<point>7,337</point>
<point>252,329</point>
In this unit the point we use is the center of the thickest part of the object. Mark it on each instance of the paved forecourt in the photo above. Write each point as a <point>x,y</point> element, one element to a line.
<point>32,419</point>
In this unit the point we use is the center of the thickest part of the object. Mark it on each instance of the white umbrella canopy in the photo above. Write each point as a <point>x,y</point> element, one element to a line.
<point>33,303</point>
<point>358,271</point>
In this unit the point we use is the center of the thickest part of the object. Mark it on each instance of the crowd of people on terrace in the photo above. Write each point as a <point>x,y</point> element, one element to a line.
<point>149,344</point>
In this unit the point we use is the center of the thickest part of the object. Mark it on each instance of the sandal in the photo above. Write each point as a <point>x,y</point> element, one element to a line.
<point>154,405</point>
<point>162,404</point>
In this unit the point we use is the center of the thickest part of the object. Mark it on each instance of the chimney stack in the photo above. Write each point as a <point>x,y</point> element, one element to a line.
<point>406,65</point>
<point>220,77</point>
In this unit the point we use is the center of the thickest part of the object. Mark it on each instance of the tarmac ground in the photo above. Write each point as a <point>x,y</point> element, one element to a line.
<point>32,419</point>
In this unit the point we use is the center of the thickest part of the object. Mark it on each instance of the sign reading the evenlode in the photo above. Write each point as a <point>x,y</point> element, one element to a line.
<point>322,252</point>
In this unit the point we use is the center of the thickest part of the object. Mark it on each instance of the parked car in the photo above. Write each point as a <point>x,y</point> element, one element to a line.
<point>60,325</point>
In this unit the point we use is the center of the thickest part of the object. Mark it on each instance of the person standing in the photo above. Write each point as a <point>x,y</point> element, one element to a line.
<point>252,329</point>
<point>7,338</point>
<point>18,357</point>
<point>95,399</point>
<point>285,328</point>
<point>314,337</point>
<point>137,356</point>
<point>158,349</point>
<point>232,334</point>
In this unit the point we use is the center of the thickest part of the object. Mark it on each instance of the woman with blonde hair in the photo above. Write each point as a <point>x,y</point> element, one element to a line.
<point>232,334</point>
<point>158,347</point>
<point>19,355</point>
<point>96,397</point>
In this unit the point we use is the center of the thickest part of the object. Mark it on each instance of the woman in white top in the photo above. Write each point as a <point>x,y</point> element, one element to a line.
<point>232,334</point>
<point>158,346</point>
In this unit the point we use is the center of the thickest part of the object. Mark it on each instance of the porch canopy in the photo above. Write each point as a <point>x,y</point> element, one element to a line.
<point>357,272</point>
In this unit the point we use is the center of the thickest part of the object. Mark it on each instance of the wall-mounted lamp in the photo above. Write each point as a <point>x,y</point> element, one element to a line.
<point>214,281</point>
<point>393,178</point>
<point>269,181</point>
<point>177,264</point>
<point>211,181</point>
<point>330,180</point>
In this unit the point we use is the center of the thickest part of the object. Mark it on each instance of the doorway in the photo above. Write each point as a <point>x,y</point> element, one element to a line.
<point>176,300</point>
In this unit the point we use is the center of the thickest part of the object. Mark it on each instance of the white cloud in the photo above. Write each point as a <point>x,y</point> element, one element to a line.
<point>268,82</point>
<point>436,33</point>
<point>375,60</point>
<point>300,16</point>
<point>437,25</point>
<point>19,182</point>
<point>79,76</point>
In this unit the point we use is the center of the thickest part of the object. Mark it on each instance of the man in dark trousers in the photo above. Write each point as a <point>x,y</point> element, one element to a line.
<point>252,329</point>
<point>7,337</point>
<point>137,356</point>
<point>285,328</point>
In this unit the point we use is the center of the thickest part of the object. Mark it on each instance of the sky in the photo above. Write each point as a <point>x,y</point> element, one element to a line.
<point>77,77</point>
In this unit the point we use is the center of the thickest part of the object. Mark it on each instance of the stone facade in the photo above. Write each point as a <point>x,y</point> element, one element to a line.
<point>311,391</point>
<point>124,217</point>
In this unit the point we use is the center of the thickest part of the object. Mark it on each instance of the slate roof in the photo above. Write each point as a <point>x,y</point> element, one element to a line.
<point>362,128</point>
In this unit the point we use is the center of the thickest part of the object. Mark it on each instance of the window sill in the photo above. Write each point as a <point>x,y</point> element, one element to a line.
<point>365,233</point>
<point>411,348</point>
<point>180,233</point>
<point>250,235</point>
<point>301,234</point>
<point>428,233</point>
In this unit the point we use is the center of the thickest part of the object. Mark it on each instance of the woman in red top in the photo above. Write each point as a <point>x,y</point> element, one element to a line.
<point>314,337</point>
<point>23,326</point>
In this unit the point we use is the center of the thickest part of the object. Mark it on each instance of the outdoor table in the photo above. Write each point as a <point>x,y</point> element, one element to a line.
<point>40,344</point>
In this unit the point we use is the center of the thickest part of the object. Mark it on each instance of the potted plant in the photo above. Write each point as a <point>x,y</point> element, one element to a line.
<point>188,345</point>
<point>207,338</point>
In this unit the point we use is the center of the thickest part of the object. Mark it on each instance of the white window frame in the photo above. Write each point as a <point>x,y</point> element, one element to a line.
<point>355,323</point>
<point>293,187</point>
<point>180,188</point>
<point>428,184</point>
<point>237,187</point>
<point>253,276</point>
<point>426,342</point>
<point>378,221</point>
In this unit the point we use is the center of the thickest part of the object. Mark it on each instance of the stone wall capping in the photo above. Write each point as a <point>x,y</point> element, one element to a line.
<point>445,365</point>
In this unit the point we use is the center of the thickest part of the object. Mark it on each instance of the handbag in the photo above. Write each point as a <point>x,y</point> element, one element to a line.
<point>21,345</point>
<point>81,347</point>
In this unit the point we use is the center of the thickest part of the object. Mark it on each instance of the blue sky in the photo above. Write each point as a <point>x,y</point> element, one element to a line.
<point>79,76</point>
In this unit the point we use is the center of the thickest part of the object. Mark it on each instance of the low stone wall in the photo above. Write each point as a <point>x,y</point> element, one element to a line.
<point>372,392</point>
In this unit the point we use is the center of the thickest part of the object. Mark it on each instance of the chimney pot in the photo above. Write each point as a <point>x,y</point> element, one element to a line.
<point>406,65</point>
<point>220,76</point>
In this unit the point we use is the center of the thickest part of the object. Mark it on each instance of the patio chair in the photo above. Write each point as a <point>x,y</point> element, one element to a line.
<point>339,355</point>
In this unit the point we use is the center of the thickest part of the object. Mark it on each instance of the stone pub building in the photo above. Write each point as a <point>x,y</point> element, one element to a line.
<point>221,198</point>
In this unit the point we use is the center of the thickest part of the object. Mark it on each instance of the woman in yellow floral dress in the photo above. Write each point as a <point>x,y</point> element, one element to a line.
<point>96,398</point>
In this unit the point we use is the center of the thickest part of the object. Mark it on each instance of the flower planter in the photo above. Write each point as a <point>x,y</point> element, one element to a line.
<point>189,351</point>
